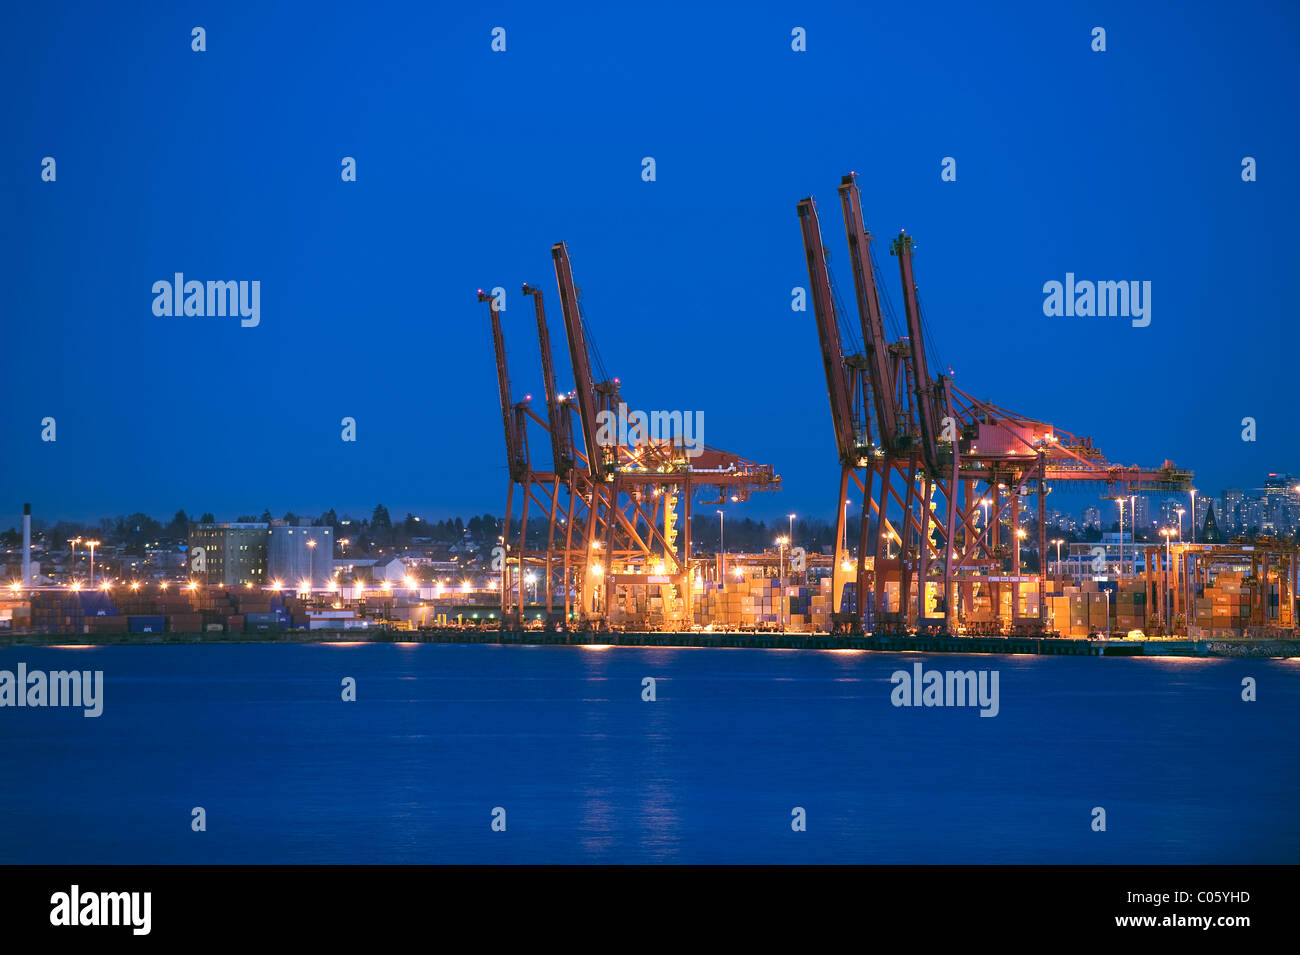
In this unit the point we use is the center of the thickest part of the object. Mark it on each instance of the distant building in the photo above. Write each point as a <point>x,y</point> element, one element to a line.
<point>374,569</point>
<point>228,555</point>
<point>1231,513</point>
<point>1141,516</point>
<point>1280,496</point>
<point>165,561</point>
<point>300,552</point>
<point>1092,517</point>
<point>1210,530</point>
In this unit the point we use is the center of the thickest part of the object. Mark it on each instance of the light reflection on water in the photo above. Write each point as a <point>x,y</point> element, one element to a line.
<point>588,771</point>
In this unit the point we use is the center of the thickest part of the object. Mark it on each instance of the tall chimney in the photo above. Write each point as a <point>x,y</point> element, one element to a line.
<point>27,545</point>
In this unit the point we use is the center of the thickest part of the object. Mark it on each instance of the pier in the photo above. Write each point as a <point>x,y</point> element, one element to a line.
<point>753,640</point>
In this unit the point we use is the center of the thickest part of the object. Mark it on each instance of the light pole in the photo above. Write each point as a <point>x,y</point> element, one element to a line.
<point>1058,542</point>
<point>1193,492</point>
<point>782,542</point>
<point>844,544</point>
<point>1167,533</point>
<point>1120,502</point>
<point>1133,527</point>
<point>722,551</point>
<point>790,537</point>
<point>311,561</point>
<point>984,503</point>
<point>1180,512</point>
<point>92,545</point>
<point>74,541</point>
<point>505,570</point>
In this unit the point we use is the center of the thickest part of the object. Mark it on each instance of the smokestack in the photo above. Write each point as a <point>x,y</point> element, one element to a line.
<point>27,545</point>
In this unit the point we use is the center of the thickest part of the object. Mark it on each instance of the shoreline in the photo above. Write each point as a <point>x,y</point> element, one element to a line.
<point>1040,646</point>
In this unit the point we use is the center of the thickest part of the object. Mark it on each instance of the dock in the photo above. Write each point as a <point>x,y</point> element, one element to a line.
<point>753,640</point>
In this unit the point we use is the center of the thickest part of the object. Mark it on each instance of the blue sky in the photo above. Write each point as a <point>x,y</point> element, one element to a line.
<point>225,165</point>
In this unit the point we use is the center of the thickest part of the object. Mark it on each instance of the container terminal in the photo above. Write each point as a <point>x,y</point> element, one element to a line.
<point>940,476</point>
<point>936,469</point>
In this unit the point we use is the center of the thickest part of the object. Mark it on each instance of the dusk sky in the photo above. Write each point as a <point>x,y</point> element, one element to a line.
<point>225,165</point>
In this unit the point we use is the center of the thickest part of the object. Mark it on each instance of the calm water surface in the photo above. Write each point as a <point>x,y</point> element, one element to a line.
<point>587,772</point>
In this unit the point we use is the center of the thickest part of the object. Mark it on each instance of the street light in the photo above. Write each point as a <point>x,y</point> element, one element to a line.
<point>782,542</point>
<point>1193,492</point>
<point>311,561</point>
<point>1167,533</point>
<point>92,545</point>
<point>531,580</point>
<point>722,551</point>
<point>1180,512</point>
<point>1058,542</point>
<point>1120,502</point>
<point>74,541</point>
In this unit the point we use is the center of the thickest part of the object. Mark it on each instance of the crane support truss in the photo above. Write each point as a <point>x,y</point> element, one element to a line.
<point>936,470</point>
<point>617,514</point>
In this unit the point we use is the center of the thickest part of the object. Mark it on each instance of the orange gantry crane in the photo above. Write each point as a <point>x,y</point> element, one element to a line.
<point>928,459</point>
<point>611,547</point>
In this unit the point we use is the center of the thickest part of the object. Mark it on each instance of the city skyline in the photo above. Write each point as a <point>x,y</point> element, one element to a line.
<point>1284,493</point>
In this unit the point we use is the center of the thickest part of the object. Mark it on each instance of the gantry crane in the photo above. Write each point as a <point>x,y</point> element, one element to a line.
<point>620,505</point>
<point>952,454</point>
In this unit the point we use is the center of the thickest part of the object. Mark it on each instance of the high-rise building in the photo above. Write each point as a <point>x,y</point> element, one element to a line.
<point>1169,512</point>
<point>235,555</point>
<point>1140,519</point>
<point>1092,517</point>
<point>1279,495</point>
<point>228,555</point>
<point>1231,514</point>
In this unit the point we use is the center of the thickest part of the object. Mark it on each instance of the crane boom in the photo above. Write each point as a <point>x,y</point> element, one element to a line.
<point>516,456</point>
<point>557,415</point>
<point>580,358</point>
<point>922,383</point>
<point>828,331</point>
<point>873,326</point>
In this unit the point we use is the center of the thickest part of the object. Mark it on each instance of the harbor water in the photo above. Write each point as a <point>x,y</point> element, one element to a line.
<point>562,749</point>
